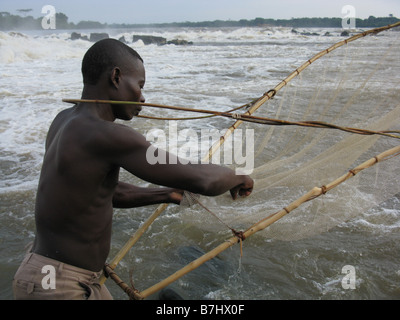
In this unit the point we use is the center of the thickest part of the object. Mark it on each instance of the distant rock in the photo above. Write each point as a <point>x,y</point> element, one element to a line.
<point>309,34</point>
<point>149,39</point>
<point>94,37</point>
<point>160,40</point>
<point>78,36</point>
<point>345,33</point>
<point>294,31</point>
<point>17,35</point>
<point>179,42</point>
<point>75,36</point>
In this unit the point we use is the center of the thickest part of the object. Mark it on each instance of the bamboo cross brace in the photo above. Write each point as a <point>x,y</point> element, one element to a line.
<point>261,225</point>
<point>268,95</point>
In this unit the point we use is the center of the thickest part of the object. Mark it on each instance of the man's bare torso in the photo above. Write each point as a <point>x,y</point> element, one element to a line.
<point>74,200</point>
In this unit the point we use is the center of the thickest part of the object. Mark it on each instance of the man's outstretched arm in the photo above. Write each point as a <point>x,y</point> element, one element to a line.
<point>126,148</point>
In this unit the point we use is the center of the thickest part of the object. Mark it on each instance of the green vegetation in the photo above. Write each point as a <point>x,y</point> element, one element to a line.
<point>14,22</point>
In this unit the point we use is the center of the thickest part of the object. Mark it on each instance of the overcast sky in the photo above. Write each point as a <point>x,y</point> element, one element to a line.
<point>155,11</point>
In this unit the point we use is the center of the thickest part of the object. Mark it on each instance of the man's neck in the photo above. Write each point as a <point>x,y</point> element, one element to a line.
<point>103,110</point>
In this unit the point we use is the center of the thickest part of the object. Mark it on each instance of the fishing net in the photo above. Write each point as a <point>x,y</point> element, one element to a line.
<point>352,86</point>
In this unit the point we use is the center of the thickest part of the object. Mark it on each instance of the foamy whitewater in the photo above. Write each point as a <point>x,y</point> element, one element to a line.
<point>224,68</point>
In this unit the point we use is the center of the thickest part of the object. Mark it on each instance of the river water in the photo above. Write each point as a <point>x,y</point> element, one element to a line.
<point>223,68</point>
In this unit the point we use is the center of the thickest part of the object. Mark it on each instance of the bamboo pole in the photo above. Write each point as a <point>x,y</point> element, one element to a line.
<point>255,106</point>
<point>261,225</point>
<point>134,238</point>
<point>131,292</point>
<point>249,118</point>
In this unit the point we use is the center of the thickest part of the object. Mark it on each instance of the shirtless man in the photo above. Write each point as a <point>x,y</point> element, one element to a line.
<point>79,184</point>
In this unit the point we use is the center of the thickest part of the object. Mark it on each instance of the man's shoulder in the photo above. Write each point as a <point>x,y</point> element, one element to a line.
<point>114,137</point>
<point>115,130</point>
<point>57,124</point>
<point>95,135</point>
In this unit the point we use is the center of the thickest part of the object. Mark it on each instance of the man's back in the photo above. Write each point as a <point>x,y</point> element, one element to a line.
<point>74,199</point>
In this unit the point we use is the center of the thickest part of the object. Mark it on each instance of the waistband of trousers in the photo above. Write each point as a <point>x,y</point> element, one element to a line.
<point>40,261</point>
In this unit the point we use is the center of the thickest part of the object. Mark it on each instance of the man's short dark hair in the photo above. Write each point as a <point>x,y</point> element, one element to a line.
<point>103,56</point>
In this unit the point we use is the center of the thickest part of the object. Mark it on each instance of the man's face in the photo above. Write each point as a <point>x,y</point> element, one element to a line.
<point>131,82</point>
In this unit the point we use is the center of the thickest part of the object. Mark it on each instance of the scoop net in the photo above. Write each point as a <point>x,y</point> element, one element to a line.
<point>353,86</point>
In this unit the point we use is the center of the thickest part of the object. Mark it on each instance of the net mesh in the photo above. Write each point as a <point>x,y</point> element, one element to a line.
<point>189,199</point>
<point>354,86</point>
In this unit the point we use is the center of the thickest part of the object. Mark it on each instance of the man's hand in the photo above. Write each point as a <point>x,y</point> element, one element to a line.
<point>175,196</point>
<point>244,189</point>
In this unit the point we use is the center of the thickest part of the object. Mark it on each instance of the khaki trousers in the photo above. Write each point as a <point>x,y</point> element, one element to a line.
<point>42,278</point>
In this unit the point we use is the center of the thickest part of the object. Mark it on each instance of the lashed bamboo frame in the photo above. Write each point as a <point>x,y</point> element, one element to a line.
<point>315,192</point>
<point>261,225</point>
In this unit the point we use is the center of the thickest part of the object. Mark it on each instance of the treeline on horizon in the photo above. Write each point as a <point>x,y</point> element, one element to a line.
<point>15,22</point>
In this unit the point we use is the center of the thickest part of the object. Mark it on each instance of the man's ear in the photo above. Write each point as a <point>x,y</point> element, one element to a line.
<point>116,77</point>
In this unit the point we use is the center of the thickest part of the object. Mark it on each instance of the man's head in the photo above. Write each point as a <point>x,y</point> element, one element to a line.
<point>116,67</point>
<point>103,56</point>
